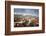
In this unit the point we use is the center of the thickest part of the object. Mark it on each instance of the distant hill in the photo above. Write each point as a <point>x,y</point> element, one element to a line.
<point>22,16</point>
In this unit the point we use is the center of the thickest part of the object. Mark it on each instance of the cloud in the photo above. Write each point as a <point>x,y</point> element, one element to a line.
<point>34,12</point>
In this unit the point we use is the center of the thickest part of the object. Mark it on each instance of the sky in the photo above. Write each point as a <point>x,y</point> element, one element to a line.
<point>24,11</point>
